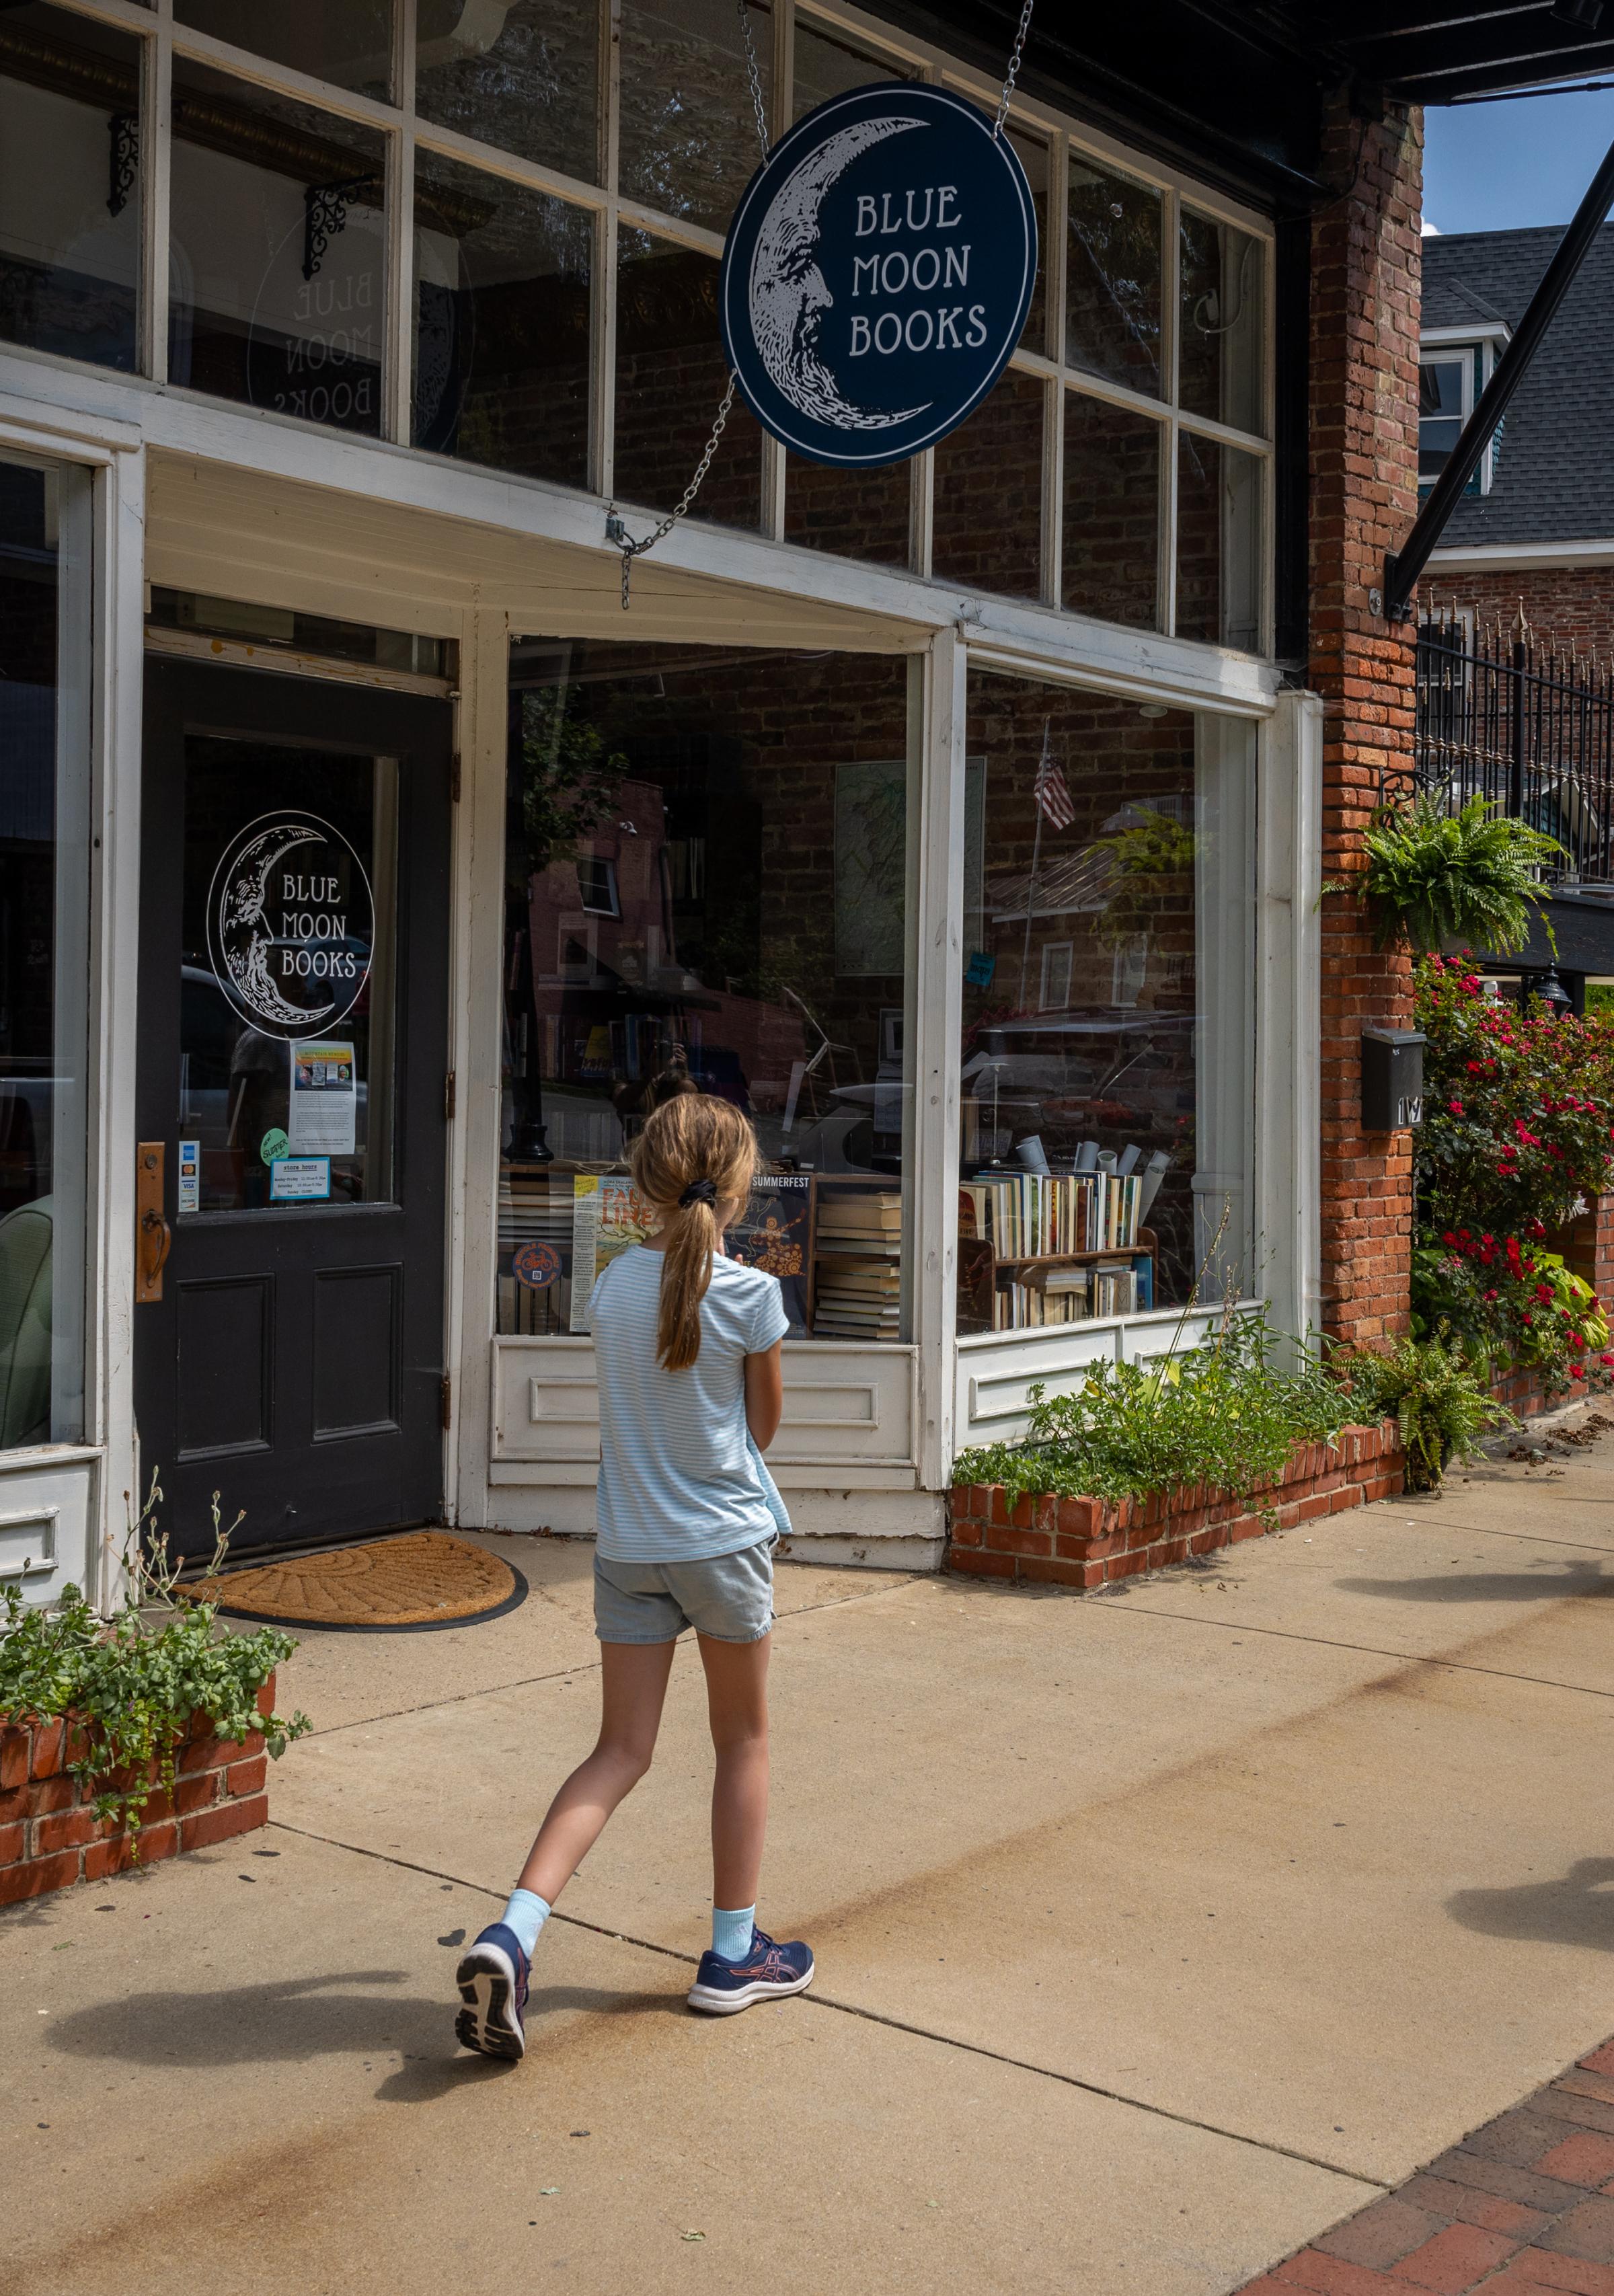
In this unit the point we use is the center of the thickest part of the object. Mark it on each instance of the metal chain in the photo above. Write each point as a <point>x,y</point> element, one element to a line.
<point>615,529</point>
<point>1014,72</point>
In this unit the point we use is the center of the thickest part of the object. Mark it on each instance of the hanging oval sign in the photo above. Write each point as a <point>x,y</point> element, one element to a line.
<point>877,274</point>
<point>290,924</point>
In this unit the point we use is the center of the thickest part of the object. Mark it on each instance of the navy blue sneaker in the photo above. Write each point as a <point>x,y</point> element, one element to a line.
<point>492,1978</point>
<point>767,1973</point>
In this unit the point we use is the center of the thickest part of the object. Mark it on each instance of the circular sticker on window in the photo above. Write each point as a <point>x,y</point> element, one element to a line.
<point>272,1147</point>
<point>877,273</point>
<point>290,924</point>
<point>535,1265</point>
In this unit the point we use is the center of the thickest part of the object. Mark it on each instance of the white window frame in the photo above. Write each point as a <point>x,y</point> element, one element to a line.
<point>889,49</point>
<point>1477,347</point>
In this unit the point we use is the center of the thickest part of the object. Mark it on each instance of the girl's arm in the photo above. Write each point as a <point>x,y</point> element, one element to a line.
<point>764,1395</point>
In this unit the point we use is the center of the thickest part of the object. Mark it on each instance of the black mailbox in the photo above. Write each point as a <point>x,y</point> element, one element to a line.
<point>1392,1078</point>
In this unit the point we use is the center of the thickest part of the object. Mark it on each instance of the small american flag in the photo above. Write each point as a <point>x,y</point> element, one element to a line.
<point>1051,789</point>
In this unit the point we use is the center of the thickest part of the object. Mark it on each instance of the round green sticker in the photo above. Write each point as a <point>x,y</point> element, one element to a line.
<point>273,1145</point>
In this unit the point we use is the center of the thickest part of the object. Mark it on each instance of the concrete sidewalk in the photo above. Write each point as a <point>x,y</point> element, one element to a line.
<point>1158,1932</point>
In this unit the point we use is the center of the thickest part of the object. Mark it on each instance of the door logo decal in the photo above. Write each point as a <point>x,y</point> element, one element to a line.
<point>290,924</point>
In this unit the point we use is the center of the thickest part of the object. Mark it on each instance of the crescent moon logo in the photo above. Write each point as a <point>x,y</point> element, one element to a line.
<point>324,940</point>
<point>788,292</point>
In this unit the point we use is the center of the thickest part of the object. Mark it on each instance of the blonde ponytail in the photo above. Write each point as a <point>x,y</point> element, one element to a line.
<point>695,1153</point>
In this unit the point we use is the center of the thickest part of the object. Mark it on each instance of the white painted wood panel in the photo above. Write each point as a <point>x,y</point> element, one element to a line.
<point>997,1370</point>
<point>49,1522</point>
<point>844,1407</point>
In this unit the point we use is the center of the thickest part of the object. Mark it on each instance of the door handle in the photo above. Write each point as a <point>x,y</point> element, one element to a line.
<point>154,1238</point>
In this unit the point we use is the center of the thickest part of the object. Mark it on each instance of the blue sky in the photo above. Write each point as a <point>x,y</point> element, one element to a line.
<point>1498,167</point>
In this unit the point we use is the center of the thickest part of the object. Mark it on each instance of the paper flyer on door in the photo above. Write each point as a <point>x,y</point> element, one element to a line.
<point>324,1098</point>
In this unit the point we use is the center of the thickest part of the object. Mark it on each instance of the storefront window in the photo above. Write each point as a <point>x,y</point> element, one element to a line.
<point>1221,331</point>
<point>70,185</point>
<point>1112,287</point>
<point>347,42</point>
<point>44,797</point>
<point>688,142</point>
<point>524,78</point>
<point>705,891</point>
<point>987,513</point>
<point>502,322</point>
<point>1112,512</point>
<point>1107,1052</point>
<point>279,252</point>
<point>1218,543</point>
<point>671,375</point>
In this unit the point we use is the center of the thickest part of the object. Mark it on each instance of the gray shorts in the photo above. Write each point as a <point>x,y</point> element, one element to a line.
<point>728,1596</point>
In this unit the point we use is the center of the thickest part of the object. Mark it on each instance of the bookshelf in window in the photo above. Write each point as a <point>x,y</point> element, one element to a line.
<point>1036,1250</point>
<point>857,1258</point>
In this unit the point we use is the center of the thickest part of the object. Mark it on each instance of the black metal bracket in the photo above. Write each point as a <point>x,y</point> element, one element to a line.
<point>325,214</point>
<point>123,133</point>
<point>1404,566</point>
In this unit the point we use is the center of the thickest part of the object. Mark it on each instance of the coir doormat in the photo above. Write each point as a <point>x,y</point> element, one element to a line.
<point>392,1585</point>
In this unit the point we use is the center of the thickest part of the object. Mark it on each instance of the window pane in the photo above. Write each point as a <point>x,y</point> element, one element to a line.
<point>1107,1041</point>
<point>45,789</point>
<point>1112,287</point>
<point>688,141</point>
<point>826,68</point>
<point>987,515</point>
<point>279,252</point>
<point>1437,437</point>
<point>706,869</point>
<point>1222,331</point>
<point>1440,387</point>
<point>1218,543</point>
<point>524,77</point>
<point>502,322</point>
<point>325,1087</point>
<point>671,375</point>
<point>1033,160</point>
<point>860,513</point>
<point>1111,513</point>
<point>347,42</point>
<point>70,185</point>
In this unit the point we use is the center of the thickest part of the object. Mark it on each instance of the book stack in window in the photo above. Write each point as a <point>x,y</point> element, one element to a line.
<point>857,1264</point>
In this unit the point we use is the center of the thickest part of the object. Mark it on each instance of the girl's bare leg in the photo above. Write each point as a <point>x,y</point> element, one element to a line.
<point>736,1697</point>
<point>633,1678</point>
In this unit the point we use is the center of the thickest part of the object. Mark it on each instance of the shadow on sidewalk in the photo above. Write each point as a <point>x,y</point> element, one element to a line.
<point>1578,1910</point>
<point>295,2019</point>
<point>1551,1583</point>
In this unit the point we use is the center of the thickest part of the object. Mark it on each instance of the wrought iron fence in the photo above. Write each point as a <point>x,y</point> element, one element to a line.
<point>1526,726</point>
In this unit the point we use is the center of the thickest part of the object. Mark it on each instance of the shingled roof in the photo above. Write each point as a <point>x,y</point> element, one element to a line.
<point>1554,457</point>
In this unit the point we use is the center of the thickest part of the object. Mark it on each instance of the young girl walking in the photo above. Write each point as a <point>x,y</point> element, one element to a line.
<point>686,1345</point>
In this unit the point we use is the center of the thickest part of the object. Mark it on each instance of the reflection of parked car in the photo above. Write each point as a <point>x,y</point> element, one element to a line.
<point>25,1323</point>
<point>28,1105</point>
<point>215,1059</point>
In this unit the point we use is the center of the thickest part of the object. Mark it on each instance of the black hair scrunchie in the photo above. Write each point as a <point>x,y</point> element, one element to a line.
<point>699,1192</point>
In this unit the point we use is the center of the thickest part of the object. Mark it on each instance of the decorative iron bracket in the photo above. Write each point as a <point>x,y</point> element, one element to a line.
<point>123,133</point>
<point>325,215</point>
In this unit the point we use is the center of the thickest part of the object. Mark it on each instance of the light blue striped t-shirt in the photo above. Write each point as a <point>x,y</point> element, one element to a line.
<point>680,1478</point>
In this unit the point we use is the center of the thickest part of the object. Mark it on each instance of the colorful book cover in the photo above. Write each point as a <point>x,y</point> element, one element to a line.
<point>607,1214</point>
<point>774,1233</point>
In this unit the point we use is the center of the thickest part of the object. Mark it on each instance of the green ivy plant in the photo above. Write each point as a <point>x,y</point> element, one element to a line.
<point>1226,1413</point>
<point>131,1685</point>
<point>1434,877</point>
<point>1437,1394</point>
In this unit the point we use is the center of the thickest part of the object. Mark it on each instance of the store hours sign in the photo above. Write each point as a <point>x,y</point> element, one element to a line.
<point>290,924</point>
<point>877,274</point>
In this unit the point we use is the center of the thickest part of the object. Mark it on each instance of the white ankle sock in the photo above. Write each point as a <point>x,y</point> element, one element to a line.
<point>526,1914</point>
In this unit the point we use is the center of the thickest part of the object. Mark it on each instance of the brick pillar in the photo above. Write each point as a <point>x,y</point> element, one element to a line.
<point>1364,380</point>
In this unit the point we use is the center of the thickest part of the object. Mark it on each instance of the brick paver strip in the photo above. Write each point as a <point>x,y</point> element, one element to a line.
<point>1522,2207</point>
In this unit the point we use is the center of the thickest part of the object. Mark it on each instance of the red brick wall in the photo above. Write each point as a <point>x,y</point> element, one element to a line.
<point>50,1836</point>
<point>1081,1542</point>
<point>1365,291</point>
<point>1569,607</point>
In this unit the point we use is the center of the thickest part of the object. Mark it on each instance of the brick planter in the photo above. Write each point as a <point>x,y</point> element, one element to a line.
<point>1083,1543</point>
<point>50,1836</point>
